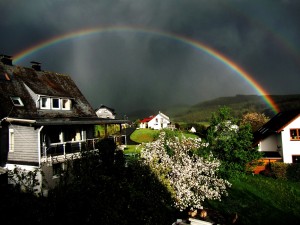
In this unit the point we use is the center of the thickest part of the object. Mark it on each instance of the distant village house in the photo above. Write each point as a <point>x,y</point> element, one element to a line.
<point>157,122</point>
<point>105,112</point>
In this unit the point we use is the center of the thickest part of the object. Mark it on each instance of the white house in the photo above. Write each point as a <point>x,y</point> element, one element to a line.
<point>157,122</point>
<point>279,138</point>
<point>105,112</point>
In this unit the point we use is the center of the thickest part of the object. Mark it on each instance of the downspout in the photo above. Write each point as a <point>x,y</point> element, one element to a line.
<point>39,144</point>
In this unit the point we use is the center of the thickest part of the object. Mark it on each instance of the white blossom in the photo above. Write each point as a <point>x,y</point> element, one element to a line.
<point>190,178</point>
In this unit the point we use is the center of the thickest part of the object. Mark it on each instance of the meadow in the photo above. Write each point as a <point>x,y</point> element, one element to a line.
<point>255,199</point>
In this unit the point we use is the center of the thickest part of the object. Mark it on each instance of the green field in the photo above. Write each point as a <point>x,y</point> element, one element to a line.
<point>255,199</point>
<point>261,200</point>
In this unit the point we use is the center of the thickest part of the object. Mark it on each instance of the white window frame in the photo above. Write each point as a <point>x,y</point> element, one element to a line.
<point>66,104</point>
<point>11,141</point>
<point>17,101</point>
<point>47,103</point>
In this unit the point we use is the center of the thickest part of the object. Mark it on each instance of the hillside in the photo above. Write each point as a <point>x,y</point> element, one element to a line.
<point>240,104</point>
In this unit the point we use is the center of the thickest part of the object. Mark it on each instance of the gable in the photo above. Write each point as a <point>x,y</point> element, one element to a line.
<point>276,124</point>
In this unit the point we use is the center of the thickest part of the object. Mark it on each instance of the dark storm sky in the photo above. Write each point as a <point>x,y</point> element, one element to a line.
<point>136,70</point>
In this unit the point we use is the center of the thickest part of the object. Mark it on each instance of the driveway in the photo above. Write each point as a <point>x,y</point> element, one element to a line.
<point>128,131</point>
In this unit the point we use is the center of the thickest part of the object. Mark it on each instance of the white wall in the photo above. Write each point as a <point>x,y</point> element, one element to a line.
<point>160,121</point>
<point>290,147</point>
<point>105,113</point>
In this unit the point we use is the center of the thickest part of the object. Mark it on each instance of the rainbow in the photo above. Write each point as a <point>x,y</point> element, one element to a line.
<point>188,41</point>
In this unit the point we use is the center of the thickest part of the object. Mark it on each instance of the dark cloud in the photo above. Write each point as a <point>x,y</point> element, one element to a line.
<point>138,70</point>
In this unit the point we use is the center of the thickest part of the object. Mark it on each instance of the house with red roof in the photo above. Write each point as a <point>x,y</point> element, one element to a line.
<point>157,122</point>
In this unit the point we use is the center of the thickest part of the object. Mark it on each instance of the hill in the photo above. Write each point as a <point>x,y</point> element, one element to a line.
<point>239,104</point>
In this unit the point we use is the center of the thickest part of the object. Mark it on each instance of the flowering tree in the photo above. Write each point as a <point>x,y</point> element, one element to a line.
<point>255,119</point>
<point>190,178</point>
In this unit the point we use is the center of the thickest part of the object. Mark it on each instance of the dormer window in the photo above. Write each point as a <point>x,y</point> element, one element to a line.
<point>45,103</point>
<point>66,104</point>
<point>17,101</point>
<point>55,103</point>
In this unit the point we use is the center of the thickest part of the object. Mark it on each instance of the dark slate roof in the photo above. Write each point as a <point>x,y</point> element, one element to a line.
<point>275,124</point>
<point>13,82</point>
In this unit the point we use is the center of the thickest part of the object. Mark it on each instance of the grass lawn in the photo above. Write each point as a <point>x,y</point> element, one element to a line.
<point>261,200</point>
<point>144,135</point>
<point>148,135</point>
<point>256,199</point>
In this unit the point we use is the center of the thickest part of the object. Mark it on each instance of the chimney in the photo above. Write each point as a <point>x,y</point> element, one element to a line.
<point>6,59</point>
<point>36,65</point>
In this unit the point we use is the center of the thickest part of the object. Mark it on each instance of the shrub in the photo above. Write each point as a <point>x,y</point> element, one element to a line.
<point>278,170</point>
<point>26,180</point>
<point>285,171</point>
<point>293,172</point>
<point>230,143</point>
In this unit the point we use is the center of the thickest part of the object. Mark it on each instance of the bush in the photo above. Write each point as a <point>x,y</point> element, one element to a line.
<point>293,172</point>
<point>230,143</point>
<point>278,170</point>
<point>285,171</point>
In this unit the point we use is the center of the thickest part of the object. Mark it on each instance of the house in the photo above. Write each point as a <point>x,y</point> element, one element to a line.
<point>279,138</point>
<point>157,122</point>
<point>192,130</point>
<point>105,112</point>
<point>44,119</point>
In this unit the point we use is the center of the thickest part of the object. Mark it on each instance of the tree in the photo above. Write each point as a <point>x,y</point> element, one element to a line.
<point>191,179</point>
<point>230,143</point>
<point>255,119</point>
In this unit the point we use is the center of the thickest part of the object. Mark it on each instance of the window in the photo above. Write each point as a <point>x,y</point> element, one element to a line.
<point>11,140</point>
<point>295,134</point>
<point>55,103</point>
<point>17,101</point>
<point>45,103</point>
<point>296,158</point>
<point>66,104</point>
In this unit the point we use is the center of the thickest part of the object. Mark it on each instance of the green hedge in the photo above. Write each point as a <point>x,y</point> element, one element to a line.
<point>285,171</point>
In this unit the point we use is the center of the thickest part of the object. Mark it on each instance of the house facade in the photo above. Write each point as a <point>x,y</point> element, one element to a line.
<point>279,138</point>
<point>105,112</point>
<point>160,121</point>
<point>45,120</point>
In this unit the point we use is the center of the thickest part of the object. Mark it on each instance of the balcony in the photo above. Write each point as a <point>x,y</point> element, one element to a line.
<point>66,150</point>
